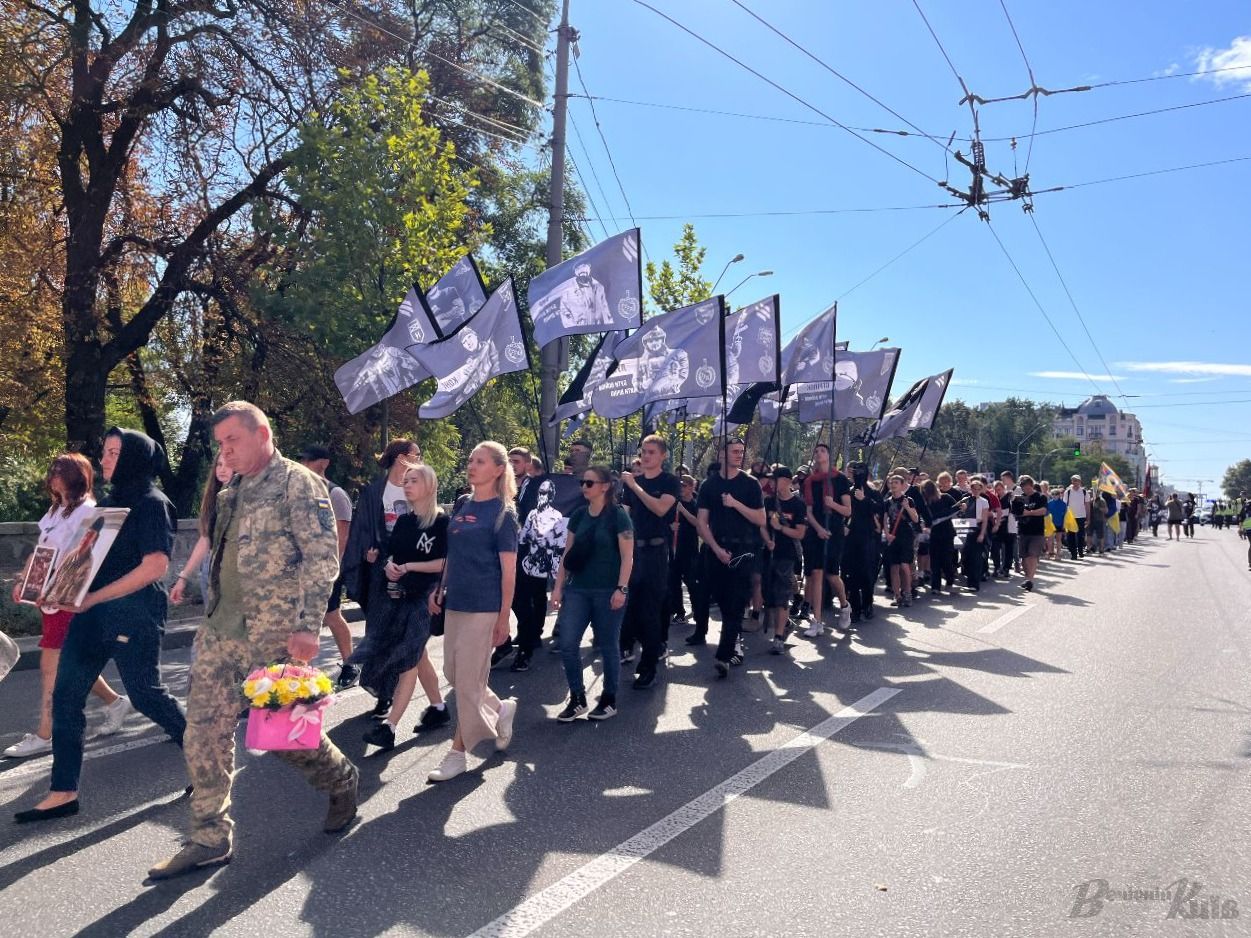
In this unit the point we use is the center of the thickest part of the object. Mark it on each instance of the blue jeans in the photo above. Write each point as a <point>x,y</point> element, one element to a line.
<point>92,641</point>
<point>579,609</point>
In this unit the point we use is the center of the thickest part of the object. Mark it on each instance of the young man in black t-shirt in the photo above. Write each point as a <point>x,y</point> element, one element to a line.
<point>1030,508</point>
<point>684,566</point>
<point>786,516</point>
<point>650,496</point>
<point>731,512</point>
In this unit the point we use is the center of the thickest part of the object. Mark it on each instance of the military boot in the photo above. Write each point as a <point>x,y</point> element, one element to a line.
<point>190,858</point>
<point>342,809</point>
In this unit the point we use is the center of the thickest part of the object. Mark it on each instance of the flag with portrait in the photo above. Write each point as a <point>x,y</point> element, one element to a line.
<point>860,387</point>
<point>489,343</point>
<point>677,355</point>
<point>456,296</point>
<point>599,290</point>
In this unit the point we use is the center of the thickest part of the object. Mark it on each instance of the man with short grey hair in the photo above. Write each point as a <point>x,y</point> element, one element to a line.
<point>273,557</point>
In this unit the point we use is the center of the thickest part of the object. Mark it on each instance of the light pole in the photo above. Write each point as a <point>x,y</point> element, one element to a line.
<point>882,341</point>
<point>759,273</point>
<point>733,260</point>
<point>1042,464</point>
<point>1022,443</point>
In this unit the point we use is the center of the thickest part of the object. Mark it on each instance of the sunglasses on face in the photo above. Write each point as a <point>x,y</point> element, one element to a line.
<point>587,483</point>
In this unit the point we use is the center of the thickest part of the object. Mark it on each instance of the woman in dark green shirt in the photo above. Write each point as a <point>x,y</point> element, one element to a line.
<point>591,587</point>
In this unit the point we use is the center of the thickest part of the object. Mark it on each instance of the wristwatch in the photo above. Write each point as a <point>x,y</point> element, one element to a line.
<point>623,590</point>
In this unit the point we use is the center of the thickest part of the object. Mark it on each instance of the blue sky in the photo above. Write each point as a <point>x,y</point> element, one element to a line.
<point>1153,264</point>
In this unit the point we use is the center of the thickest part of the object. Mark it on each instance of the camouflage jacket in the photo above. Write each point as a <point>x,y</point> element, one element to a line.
<point>288,547</point>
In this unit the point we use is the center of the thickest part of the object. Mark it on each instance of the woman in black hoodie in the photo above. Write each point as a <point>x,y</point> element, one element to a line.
<point>122,617</point>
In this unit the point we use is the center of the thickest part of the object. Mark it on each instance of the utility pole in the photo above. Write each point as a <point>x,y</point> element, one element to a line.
<point>551,355</point>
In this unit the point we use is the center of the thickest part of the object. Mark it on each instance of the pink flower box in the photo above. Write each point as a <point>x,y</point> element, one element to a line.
<point>297,727</point>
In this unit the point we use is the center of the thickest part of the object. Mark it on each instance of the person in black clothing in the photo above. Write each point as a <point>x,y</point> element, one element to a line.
<point>530,593</point>
<point>1030,508</point>
<point>122,617</point>
<point>942,507</point>
<point>862,550</point>
<point>684,566</point>
<point>380,503</point>
<point>898,533</point>
<point>395,639</point>
<point>731,513</point>
<point>650,497</point>
<point>787,520</point>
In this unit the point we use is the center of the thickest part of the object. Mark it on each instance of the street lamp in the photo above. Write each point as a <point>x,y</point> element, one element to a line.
<point>733,260</point>
<point>1042,463</point>
<point>759,273</point>
<point>882,341</point>
<point>1023,442</point>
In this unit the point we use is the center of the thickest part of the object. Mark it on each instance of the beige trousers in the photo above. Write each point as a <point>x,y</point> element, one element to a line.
<point>467,664</point>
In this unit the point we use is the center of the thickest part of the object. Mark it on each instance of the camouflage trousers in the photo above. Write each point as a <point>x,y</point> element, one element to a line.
<point>213,705</point>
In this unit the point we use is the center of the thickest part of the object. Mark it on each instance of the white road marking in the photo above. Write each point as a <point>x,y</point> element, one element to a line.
<point>1004,619</point>
<point>541,908</point>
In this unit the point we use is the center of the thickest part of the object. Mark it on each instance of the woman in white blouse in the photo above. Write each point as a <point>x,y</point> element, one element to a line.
<point>69,483</point>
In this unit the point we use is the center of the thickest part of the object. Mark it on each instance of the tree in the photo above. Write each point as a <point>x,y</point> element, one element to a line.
<point>1237,479</point>
<point>672,288</point>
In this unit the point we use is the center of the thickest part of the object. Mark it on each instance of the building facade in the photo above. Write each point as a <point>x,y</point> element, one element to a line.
<point>1098,425</point>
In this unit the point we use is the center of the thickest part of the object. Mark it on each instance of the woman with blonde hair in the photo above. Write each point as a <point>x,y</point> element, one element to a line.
<point>476,596</point>
<point>398,626</point>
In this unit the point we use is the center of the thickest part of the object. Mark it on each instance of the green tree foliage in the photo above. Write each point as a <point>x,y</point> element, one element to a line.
<point>1237,478</point>
<point>1064,465</point>
<point>680,282</point>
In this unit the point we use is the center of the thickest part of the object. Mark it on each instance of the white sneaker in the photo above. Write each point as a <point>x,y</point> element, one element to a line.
<point>453,764</point>
<point>114,716</point>
<point>504,725</point>
<point>814,629</point>
<point>31,745</point>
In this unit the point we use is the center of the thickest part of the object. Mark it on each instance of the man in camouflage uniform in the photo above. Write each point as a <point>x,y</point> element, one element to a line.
<point>274,558</point>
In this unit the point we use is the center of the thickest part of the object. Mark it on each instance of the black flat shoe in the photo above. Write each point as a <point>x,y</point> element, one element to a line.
<point>69,809</point>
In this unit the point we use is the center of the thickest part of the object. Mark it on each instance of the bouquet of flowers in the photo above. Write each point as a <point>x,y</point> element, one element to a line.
<point>285,705</point>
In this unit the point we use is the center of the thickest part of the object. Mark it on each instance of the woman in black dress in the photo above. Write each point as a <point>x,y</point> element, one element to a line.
<point>398,622</point>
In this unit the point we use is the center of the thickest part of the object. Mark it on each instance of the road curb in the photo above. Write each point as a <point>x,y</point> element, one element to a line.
<point>179,634</point>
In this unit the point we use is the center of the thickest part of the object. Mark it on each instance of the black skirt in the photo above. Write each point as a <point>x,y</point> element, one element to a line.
<point>396,632</point>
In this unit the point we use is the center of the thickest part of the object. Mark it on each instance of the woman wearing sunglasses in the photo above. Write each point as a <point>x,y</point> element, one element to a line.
<point>591,588</point>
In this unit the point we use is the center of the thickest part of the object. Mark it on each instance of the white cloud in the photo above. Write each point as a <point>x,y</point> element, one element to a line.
<point>1190,368</point>
<point>1165,72</point>
<point>1192,380</point>
<point>965,381</point>
<point>1235,60</point>
<point>1075,376</point>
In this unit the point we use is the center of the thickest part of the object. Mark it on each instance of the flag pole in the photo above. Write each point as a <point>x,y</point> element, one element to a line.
<point>685,418</point>
<point>542,434</point>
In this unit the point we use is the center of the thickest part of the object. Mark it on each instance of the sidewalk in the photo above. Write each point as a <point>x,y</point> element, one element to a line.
<point>178,634</point>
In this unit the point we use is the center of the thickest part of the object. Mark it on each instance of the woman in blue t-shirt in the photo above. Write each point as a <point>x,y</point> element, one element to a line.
<point>591,588</point>
<point>477,595</point>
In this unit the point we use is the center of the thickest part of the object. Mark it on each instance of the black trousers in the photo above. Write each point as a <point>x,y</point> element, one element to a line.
<point>972,559</point>
<point>942,557</point>
<point>683,570</point>
<point>860,565</point>
<point>1005,550</point>
<point>530,607</point>
<point>645,618</point>
<point>1077,541</point>
<point>700,598</point>
<point>730,590</point>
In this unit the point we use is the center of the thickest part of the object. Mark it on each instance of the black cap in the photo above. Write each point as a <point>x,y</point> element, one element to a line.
<point>314,452</point>
<point>781,472</point>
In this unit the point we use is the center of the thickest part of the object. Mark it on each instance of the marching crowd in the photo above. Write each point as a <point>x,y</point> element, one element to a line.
<point>777,550</point>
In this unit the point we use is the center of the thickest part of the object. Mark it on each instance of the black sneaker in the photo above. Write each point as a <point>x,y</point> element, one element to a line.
<point>723,668</point>
<point>349,674</point>
<point>501,653</point>
<point>696,639</point>
<point>381,708</point>
<point>521,662</point>
<point>574,709</point>
<point>432,718</point>
<point>605,709</point>
<point>868,612</point>
<point>1028,586</point>
<point>381,736</point>
<point>645,679</point>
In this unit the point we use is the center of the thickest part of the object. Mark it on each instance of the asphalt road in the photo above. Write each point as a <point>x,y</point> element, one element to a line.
<point>961,771</point>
